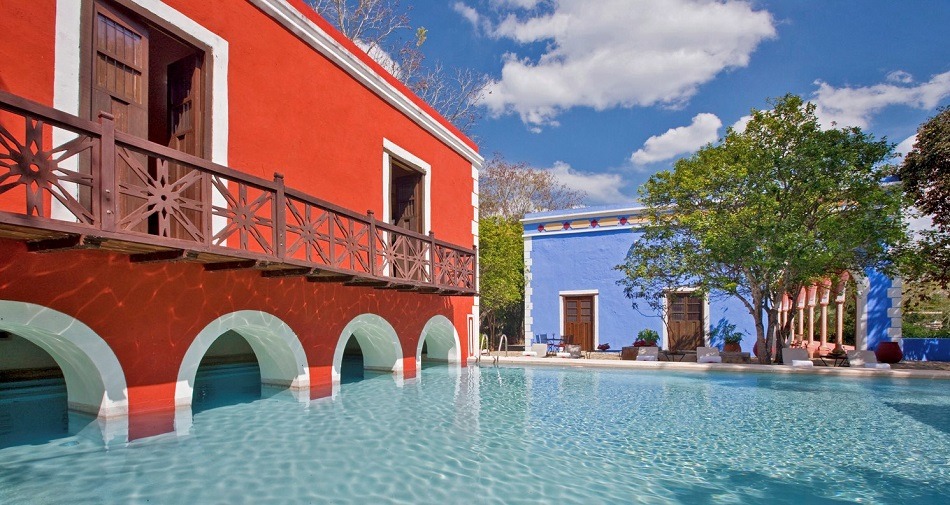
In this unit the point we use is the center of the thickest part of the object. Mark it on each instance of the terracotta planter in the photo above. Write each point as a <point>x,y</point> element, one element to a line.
<point>889,352</point>
<point>732,347</point>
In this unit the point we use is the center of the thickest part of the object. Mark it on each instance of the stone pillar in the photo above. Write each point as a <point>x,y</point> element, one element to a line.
<point>812,301</point>
<point>824,300</point>
<point>802,298</point>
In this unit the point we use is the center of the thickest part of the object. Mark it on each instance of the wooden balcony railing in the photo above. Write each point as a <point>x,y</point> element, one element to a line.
<point>101,188</point>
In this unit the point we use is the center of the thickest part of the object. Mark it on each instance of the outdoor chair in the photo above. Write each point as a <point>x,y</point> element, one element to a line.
<point>797,358</point>
<point>865,359</point>
<point>708,355</point>
<point>648,354</point>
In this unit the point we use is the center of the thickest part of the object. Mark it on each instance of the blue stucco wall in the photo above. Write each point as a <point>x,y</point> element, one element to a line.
<point>926,349</point>
<point>577,250</point>
<point>585,261</point>
<point>878,304</point>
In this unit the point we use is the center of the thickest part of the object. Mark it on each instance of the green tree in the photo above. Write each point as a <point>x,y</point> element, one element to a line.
<point>501,266</point>
<point>925,175</point>
<point>765,212</point>
<point>507,191</point>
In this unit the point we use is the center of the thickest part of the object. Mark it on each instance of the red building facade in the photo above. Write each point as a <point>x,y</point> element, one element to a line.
<point>173,171</point>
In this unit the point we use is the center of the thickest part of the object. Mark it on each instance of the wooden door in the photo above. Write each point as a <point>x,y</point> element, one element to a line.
<point>407,202</point>
<point>579,320</point>
<point>120,87</point>
<point>685,321</point>
<point>184,134</point>
<point>406,209</point>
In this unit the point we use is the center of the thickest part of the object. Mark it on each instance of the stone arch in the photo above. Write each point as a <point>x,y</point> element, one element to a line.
<point>442,340</point>
<point>279,353</point>
<point>378,341</point>
<point>95,382</point>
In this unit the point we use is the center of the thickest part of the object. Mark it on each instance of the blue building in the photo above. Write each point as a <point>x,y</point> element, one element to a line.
<point>571,289</point>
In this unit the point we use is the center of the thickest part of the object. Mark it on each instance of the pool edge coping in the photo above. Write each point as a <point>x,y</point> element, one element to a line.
<point>723,367</point>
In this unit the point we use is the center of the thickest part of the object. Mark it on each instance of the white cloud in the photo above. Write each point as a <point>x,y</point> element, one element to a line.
<point>623,53</point>
<point>684,139</point>
<point>849,106</point>
<point>523,4</point>
<point>600,188</point>
<point>380,56</point>
<point>900,76</point>
<point>741,123</point>
<point>470,14</point>
<point>906,146</point>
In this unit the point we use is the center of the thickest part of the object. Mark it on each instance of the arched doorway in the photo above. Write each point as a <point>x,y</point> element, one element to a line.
<point>438,342</point>
<point>246,348</point>
<point>51,364</point>
<point>374,341</point>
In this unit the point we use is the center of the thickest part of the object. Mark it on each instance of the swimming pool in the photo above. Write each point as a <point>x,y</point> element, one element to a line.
<point>527,435</point>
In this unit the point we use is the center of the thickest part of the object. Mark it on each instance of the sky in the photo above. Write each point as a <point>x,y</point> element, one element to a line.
<point>605,93</point>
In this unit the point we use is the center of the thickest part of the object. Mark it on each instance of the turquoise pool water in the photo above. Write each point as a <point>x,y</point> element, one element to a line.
<point>515,435</point>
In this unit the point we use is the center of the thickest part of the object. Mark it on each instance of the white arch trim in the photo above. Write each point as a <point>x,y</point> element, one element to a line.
<point>95,382</point>
<point>443,341</point>
<point>279,353</point>
<point>378,341</point>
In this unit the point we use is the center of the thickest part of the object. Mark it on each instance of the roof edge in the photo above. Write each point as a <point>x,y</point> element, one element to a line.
<point>319,34</point>
<point>581,213</point>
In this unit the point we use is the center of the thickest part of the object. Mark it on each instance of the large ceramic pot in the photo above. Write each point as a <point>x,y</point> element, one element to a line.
<point>732,347</point>
<point>889,352</point>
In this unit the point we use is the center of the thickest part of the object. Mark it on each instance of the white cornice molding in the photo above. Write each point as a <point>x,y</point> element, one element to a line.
<point>584,213</point>
<point>317,38</point>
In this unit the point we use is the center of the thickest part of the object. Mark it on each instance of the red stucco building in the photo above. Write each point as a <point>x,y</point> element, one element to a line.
<point>172,171</point>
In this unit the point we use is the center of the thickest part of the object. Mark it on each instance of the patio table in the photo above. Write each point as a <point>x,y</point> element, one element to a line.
<point>837,359</point>
<point>672,354</point>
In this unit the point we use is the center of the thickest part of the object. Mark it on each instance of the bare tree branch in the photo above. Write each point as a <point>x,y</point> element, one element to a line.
<point>375,25</point>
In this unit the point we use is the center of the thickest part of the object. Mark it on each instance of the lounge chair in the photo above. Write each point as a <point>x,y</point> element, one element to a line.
<point>648,354</point>
<point>708,355</point>
<point>865,359</point>
<point>797,358</point>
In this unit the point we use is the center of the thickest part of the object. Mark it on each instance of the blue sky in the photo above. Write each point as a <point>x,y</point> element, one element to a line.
<point>606,92</point>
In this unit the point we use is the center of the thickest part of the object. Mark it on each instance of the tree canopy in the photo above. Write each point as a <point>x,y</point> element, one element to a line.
<point>925,175</point>
<point>766,211</point>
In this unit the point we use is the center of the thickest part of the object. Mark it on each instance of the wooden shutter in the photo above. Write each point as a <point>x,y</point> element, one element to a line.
<point>685,321</point>
<point>184,134</point>
<point>579,320</point>
<point>120,87</point>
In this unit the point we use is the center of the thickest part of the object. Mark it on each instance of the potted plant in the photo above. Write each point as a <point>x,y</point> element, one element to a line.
<point>732,342</point>
<point>726,332</point>
<point>645,338</point>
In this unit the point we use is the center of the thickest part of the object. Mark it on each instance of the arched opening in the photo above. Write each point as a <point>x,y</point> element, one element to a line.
<point>352,368</point>
<point>229,373</point>
<point>374,341</point>
<point>234,355</point>
<point>56,375</point>
<point>438,343</point>
<point>33,405</point>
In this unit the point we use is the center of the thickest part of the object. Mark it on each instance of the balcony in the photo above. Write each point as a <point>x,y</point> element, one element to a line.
<point>99,188</point>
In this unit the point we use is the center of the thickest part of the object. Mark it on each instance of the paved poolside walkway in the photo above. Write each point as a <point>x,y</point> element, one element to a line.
<point>908,370</point>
